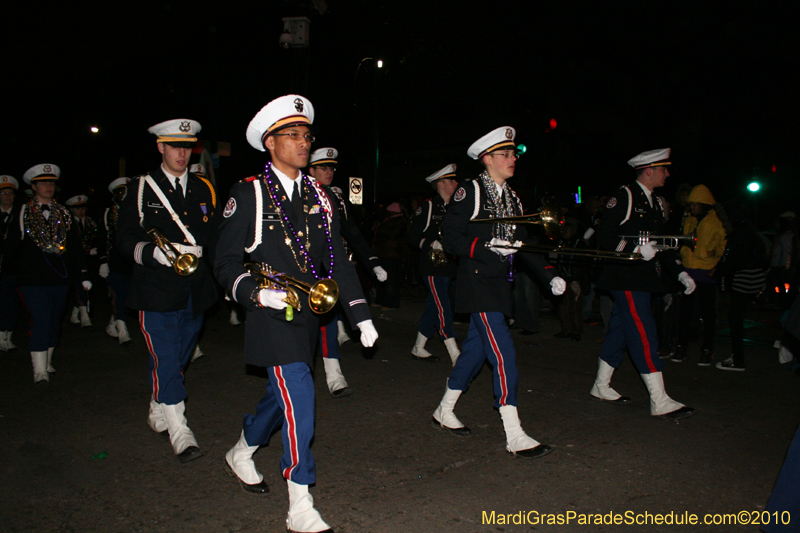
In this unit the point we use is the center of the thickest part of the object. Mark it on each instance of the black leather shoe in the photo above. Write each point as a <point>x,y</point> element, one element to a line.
<point>430,359</point>
<point>258,488</point>
<point>622,400</point>
<point>533,453</point>
<point>341,393</point>
<point>461,432</point>
<point>190,454</point>
<point>683,412</point>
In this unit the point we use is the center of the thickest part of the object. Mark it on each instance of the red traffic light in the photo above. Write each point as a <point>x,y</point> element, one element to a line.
<point>553,123</point>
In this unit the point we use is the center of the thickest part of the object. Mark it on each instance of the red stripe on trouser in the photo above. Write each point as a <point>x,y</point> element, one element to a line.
<point>291,424</point>
<point>472,248</point>
<point>439,308</point>
<point>501,367</point>
<point>648,356</point>
<point>152,351</point>
<point>113,302</point>
<point>324,337</point>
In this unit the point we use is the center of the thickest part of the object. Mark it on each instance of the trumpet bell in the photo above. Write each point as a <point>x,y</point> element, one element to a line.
<point>186,264</point>
<point>323,295</point>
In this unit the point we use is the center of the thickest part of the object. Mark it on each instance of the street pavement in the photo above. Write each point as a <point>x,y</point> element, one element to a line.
<point>80,457</point>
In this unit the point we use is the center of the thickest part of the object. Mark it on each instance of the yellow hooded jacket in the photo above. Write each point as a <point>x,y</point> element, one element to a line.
<point>711,237</point>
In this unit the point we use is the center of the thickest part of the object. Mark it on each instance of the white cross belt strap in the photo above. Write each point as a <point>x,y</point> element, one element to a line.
<point>197,251</point>
<point>156,189</point>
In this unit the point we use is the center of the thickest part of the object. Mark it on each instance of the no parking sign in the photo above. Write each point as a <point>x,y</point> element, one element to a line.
<point>356,191</point>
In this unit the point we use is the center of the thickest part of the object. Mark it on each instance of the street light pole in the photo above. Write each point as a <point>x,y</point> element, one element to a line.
<point>375,121</point>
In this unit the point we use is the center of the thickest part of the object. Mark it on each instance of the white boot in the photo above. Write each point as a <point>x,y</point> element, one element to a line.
<point>122,331</point>
<point>198,356</point>
<point>342,337</point>
<point>419,350</point>
<point>234,320</point>
<point>660,403</point>
<point>40,376</point>
<point>181,437</point>
<point>601,389</point>
<point>155,419</point>
<point>85,320</point>
<point>50,368</point>
<point>239,462</point>
<point>452,349</point>
<point>337,385</point>
<point>111,328</point>
<point>302,516</point>
<point>444,417</point>
<point>74,318</point>
<point>518,442</point>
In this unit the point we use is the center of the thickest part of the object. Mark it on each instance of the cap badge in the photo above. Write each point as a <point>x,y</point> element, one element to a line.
<point>47,168</point>
<point>298,105</point>
<point>509,133</point>
<point>330,152</point>
<point>185,126</point>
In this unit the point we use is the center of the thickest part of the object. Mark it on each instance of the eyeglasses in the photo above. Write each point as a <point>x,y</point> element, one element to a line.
<point>297,136</point>
<point>508,154</point>
<point>7,192</point>
<point>326,167</point>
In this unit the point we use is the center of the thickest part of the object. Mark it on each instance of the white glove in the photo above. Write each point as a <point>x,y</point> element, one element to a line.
<point>648,250</point>
<point>436,245</point>
<point>159,256</point>
<point>501,242</point>
<point>588,234</point>
<point>104,270</point>
<point>87,285</point>
<point>558,286</point>
<point>93,251</point>
<point>368,333</point>
<point>273,299</point>
<point>688,282</point>
<point>380,273</point>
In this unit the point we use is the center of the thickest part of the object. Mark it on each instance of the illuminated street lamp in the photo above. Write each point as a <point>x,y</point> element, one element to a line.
<point>754,186</point>
<point>94,129</point>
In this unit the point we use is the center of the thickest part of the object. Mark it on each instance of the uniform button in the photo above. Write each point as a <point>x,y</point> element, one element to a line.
<point>272,227</point>
<point>476,271</point>
<point>185,213</point>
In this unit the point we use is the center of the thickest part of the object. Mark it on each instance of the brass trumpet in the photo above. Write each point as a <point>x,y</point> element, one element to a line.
<point>596,254</point>
<point>664,242</point>
<point>322,295</point>
<point>184,264</point>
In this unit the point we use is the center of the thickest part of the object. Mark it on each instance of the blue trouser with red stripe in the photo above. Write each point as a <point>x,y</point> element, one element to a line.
<point>438,314</point>
<point>632,326</point>
<point>170,338</point>
<point>45,304</point>
<point>287,403</point>
<point>488,338</point>
<point>328,333</point>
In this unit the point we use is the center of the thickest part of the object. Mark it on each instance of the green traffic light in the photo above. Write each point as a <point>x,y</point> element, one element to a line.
<point>754,186</point>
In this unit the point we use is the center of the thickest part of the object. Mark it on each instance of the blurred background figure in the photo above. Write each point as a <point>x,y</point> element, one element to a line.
<point>9,299</point>
<point>391,247</point>
<point>575,271</point>
<point>87,229</point>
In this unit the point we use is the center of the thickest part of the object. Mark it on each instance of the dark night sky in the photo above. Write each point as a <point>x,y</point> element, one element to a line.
<point>717,85</point>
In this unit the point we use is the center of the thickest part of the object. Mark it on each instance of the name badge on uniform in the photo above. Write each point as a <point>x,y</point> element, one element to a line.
<point>640,210</point>
<point>155,205</point>
<point>271,216</point>
<point>437,217</point>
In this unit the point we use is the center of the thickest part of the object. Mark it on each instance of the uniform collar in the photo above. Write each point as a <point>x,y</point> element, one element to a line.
<point>286,181</point>
<point>647,192</point>
<point>184,178</point>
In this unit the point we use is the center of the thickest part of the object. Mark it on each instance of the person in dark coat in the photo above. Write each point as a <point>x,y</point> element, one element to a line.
<point>182,207</point>
<point>437,268</point>
<point>486,252</point>
<point>631,215</point>
<point>288,224</point>
<point>322,166</point>
<point>9,299</point>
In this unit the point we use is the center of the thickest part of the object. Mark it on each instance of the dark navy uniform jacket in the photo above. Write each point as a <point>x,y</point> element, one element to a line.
<point>35,267</point>
<point>271,340</point>
<point>7,267</point>
<point>352,234</point>
<point>425,227</point>
<point>107,247</point>
<point>156,287</point>
<point>483,284</point>
<point>628,218</point>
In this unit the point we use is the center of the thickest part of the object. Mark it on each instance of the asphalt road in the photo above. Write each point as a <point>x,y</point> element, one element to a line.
<point>80,457</point>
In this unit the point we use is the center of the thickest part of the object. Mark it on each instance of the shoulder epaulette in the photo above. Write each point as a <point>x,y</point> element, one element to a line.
<point>251,178</point>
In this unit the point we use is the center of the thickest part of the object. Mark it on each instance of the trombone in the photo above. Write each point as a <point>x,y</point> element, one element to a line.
<point>322,295</point>
<point>580,252</point>
<point>184,264</point>
<point>664,242</point>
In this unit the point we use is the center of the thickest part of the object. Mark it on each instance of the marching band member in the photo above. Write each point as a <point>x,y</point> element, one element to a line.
<point>49,260</point>
<point>436,268</point>
<point>115,268</point>
<point>283,219</point>
<point>322,167</point>
<point>486,252</point>
<point>9,299</point>
<point>181,206</point>
<point>87,229</point>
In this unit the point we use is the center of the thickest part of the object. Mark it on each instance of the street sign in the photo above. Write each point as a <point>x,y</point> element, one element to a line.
<point>356,191</point>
